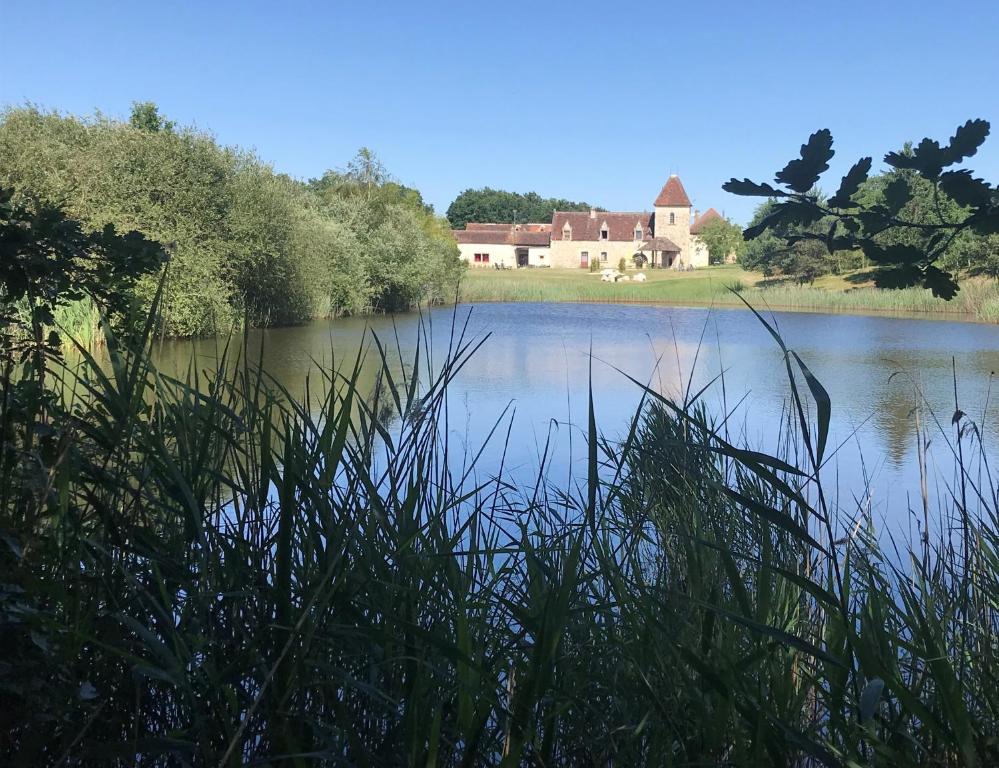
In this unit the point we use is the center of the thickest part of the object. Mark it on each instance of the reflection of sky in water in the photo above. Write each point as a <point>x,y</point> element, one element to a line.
<point>537,362</point>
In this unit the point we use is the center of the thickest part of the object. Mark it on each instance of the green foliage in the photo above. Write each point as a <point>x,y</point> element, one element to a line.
<point>779,249</point>
<point>247,244</point>
<point>622,264</point>
<point>146,117</point>
<point>722,238</point>
<point>982,255</point>
<point>912,223</point>
<point>47,262</point>
<point>497,206</point>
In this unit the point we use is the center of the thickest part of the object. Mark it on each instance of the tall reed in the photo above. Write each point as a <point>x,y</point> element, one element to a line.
<point>204,571</point>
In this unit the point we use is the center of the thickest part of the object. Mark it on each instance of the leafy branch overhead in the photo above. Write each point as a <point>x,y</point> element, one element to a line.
<point>905,248</point>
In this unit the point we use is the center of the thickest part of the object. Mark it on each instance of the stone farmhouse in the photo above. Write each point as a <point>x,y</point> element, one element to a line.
<point>665,237</point>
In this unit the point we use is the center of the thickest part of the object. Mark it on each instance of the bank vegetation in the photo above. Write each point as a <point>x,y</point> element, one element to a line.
<point>246,244</point>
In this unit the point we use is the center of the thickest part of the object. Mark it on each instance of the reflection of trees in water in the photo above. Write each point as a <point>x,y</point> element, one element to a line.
<point>303,361</point>
<point>930,390</point>
<point>894,409</point>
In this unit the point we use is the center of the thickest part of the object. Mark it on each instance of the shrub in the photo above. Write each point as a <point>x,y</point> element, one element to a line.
<point>247,243</point>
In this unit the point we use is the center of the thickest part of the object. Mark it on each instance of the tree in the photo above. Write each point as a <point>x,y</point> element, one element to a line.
<point>366,170</point>
<point>722,237</point>
<point>773,252</point>
<point>983,256</point>
<point>47,259</point>
<point>146,117</point>
<point>251,245</point>
<point>882,228</point>
<point>500,207</point>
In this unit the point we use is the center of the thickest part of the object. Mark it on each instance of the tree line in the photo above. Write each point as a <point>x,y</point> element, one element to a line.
<point>501,207</point>
<point>245,244</point>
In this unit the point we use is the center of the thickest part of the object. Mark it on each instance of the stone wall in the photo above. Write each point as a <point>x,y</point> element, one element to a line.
<point>565,253</point>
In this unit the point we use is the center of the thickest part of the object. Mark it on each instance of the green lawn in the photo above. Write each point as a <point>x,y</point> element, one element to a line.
<point>710,285</point>
<point>663,286</point>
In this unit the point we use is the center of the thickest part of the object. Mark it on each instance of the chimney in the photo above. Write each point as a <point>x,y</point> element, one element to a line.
<point>593,213</point>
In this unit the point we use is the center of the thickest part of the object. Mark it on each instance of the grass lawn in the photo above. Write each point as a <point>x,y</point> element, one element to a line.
<point>662,286</point>
<point>710,285</point>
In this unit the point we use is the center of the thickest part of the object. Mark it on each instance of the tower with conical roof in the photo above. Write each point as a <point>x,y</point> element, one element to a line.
<point>672,216</point>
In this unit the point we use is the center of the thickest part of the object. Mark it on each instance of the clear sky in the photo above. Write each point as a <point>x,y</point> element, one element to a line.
<point>587,101</point>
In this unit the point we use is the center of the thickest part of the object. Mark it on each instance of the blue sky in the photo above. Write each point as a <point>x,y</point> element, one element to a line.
<point>588,101</point>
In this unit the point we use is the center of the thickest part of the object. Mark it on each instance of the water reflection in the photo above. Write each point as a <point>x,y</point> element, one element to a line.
<point>537,360</point>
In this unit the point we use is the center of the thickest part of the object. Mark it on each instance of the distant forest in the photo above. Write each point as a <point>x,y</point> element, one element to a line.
<point>497,206</point>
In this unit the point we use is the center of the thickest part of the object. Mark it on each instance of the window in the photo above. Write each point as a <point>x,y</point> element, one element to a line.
<point>485,258</point>
<point>603,256</point>
<point>638,233</point>
<point>672,218</point>
<point>603,232</point>
<point>584,258</point>
<point>478,258</point>
<point>566,232</point>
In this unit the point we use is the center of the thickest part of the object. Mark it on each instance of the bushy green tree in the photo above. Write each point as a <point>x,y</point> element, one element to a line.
<point>982,255</point>
<point>498,206</point>
<point>770,253</point>
<point>722,237</point>
<point>146,117</point>
<point>247,243</point>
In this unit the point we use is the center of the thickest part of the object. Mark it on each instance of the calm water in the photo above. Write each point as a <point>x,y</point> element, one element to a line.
<point>536,362</point>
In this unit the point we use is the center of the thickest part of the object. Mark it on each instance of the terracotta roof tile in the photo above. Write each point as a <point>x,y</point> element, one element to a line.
<point>620,226</point>
<point>673,194</point>
<point>501,234</point>
<point>539,227</point>
<point>704,218</point>
<point>660,244</point>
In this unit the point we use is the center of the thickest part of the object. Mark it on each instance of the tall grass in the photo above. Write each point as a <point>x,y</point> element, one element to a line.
<point>205,572</point>
<point>539,285</point>
<point>80,321</point>
<point>978,299</point>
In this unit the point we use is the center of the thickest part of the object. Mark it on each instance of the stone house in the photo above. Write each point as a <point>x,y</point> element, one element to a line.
<point>664,237</point>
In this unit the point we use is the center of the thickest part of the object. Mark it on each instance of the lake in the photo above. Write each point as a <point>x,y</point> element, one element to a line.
<point>536,363</point>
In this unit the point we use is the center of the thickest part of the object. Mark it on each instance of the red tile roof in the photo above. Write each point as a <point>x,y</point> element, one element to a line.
<point>500,234</point>
<point>673,194</point>
<point>507,227</point>
<point>531,238</point>
<point>660,244</point>
<point>704,218</point>
<point>620,226</point>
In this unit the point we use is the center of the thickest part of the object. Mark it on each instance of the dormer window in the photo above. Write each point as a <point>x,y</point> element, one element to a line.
<point>604,233</point>
<point>672,218</point>
<point>567,232</point>
<point>638,233</point>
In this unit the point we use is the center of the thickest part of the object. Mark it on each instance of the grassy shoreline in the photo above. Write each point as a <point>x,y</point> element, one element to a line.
<point>978,300</point>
